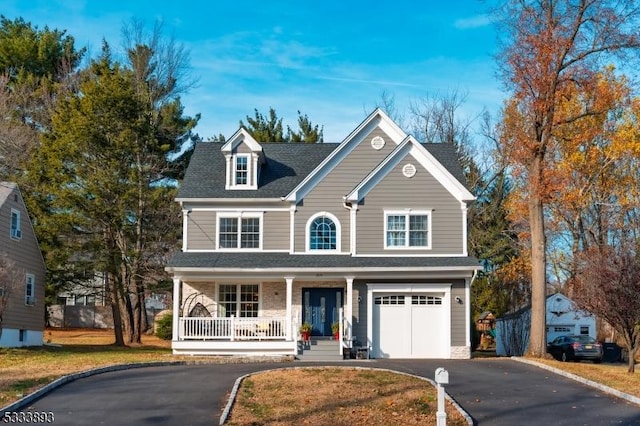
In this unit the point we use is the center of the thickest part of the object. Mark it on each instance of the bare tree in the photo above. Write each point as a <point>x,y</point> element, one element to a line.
<point>11,278</point>
<point>438,118</point>
<point>17,138</point>
<point>608,286</point>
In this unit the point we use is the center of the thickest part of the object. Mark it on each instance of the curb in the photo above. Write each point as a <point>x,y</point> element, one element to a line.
<point>238,382</point>
<point>596,385</point>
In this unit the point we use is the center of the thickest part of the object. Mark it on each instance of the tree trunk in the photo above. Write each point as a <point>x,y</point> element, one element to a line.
<point>632,359</point>
<point>138,311</point>
<point>537,339</point>
<point>115,310</point>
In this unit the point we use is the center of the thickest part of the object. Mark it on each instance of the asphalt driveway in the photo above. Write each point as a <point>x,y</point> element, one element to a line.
<point>492,391</point>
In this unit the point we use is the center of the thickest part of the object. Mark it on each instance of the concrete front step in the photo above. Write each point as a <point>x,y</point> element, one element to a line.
<point>319,350</point>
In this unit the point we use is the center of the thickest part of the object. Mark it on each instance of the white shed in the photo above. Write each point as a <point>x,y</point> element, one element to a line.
<point>562,315</point>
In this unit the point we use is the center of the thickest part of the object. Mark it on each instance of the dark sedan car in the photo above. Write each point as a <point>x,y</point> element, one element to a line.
<point>576,348</point>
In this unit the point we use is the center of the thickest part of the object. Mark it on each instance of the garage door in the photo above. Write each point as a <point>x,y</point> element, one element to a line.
<point>409,326</point>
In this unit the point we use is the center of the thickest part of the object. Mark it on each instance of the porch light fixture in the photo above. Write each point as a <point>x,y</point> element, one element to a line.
<point>459,300</point>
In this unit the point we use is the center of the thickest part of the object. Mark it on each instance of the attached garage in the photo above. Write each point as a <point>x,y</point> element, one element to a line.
<point>409,322</point>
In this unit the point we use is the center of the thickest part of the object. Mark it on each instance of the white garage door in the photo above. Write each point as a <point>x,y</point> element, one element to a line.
<point>409,326</point>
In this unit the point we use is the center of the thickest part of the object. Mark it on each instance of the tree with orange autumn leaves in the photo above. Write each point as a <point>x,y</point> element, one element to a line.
<point>595,183</point>
<point>554,53</point>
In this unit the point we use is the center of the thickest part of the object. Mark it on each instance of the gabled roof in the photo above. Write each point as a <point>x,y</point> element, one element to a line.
<point>239,137</point>
<point>291,170</point>
<point>286,165</point>
<point>376,119</point>
<point>6,188</point>
<point>411,146</point>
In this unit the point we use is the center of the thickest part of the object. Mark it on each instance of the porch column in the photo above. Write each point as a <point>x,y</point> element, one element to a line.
<point>348,312</point>
<point>176,308</point>
<point>289,321</point>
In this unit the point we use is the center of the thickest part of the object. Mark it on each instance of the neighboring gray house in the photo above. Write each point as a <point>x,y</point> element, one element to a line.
<point>23,316</point>
<point>370,233</point>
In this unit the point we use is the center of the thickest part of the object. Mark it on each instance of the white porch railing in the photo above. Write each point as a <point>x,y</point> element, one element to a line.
<point>206,328</point>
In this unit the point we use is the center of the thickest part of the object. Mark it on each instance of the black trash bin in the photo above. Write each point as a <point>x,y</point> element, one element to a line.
<point>611,352</point>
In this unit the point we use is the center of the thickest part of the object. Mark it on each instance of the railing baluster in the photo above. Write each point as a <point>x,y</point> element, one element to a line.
<point>208,328</point>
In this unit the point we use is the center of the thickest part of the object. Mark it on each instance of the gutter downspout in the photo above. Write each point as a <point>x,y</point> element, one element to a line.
<point>353,208</point>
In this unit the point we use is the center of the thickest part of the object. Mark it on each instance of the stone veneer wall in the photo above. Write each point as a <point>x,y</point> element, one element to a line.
<point>460,352</point>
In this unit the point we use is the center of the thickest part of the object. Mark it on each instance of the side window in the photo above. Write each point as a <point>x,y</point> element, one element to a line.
<point>407,229</point>
<point>16,231</point>
<point>30,294</point>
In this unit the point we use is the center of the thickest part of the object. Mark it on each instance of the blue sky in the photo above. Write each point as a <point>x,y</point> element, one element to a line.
<point>331,60</point>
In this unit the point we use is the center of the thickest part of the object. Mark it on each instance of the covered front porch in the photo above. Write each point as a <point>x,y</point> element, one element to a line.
<point>260,317</point>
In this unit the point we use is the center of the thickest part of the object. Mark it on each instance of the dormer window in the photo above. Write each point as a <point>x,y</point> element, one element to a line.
<point>241,175</point>
<point>244,158</point>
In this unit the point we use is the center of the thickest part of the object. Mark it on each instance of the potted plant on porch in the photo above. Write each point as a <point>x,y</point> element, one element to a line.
<point>305,331</point>
<point>335,329</point>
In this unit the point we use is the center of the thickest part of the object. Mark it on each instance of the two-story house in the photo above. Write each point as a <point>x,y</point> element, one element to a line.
<point>370,233</point>
<point>23,275</point>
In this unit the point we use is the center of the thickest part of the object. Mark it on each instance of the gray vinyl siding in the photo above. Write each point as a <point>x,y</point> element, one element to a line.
<point>25,254</point>
<point>327,194</point>
<point>359,322</point>
<point>421,192</point>
<point>276,230</point>
<point>458,314</point>
<point>201,230</point>
<point>242,148</point>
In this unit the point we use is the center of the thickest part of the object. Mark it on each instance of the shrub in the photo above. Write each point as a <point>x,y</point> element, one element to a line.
<point>164,326</point>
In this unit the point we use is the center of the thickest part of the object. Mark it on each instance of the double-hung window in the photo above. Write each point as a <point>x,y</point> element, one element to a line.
<point>239,231</point>
<point>16,231</point>
<point>239,300</point>
<point>407,229</point>
<point>241,172</point>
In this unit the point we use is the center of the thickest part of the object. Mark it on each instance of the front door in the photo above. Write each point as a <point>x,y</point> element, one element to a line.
<point>321,308</point>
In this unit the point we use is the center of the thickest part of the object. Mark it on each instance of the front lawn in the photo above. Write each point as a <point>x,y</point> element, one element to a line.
<point>613,375</point>
<point>24,370</point>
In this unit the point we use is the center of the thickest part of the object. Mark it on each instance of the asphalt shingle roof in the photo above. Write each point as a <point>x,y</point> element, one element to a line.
<point>287,164</point>
<point>286,260</point>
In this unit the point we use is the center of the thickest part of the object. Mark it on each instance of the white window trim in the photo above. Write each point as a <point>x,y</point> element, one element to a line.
<point>307,234</point>
<point>15,233</point>
<point>407,213</point>
<point>238,301</point>
<point>239,216</point>
<point>252,171</point>
<point>30,282</point>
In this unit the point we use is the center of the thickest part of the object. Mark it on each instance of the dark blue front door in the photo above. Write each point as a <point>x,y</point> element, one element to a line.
<point>320,308</point>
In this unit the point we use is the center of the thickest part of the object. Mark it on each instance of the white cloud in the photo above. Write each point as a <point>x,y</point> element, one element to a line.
<point>476,21</point>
